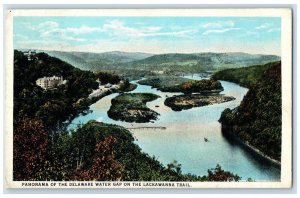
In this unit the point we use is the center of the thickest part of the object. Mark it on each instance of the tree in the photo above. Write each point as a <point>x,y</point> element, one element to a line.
<point>106,77</point>
<point>174,166</point>
<point>257,120</point>
<point>218,174</point>
<point>29,149</point>
<point>105,167</point>
<point>125,85</point>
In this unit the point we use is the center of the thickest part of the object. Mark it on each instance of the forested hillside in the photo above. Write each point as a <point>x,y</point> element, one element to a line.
<point>257,121</point>
<point>169,63</point>
<point>200,62</point>
<point>97,61</point>
<point>51,106</point>
<point>43,150</point>
<point>248,76</point>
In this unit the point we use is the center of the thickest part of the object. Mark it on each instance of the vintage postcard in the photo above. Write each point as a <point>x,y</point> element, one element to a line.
<point>148,98</point>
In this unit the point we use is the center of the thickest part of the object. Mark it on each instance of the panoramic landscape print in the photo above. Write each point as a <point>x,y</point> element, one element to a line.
<point>156,98</point>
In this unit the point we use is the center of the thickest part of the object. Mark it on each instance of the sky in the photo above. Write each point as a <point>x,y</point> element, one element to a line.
<point>157,35</point>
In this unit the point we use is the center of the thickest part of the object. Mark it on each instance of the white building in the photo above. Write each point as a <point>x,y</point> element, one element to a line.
<point>50,82</point>
<point>29,54</point>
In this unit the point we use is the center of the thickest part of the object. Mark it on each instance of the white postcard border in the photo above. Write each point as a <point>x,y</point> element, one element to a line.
<point>286,47</point>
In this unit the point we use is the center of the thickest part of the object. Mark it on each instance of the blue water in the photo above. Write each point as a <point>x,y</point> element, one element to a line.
<point>183,138</point>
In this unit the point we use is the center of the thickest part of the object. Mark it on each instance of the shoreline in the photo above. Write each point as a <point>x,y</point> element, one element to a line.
<point>189,101</point>
<point>254,150</point>
<point>94,99</point>
<point>131,107</point>
<point>243,148</point>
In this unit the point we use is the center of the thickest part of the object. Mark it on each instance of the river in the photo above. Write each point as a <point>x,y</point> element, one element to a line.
<point>183,138</point>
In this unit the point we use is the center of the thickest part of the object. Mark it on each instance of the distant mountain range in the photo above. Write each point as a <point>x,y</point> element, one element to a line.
<point>95,61</point>
<point>195,62</point>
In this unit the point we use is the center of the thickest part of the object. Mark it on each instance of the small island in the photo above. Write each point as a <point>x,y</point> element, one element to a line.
<point>184,85</point>
<point>131,107</point>
<point>164,83</point>
<point>183,102</point>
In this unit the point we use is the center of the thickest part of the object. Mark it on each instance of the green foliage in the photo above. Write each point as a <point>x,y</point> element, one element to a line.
<point>30,142</point>
<point>179,84</point>
<point>131,107</point>
<point>193,86</point>
<point>169,63</point>
<point>163,82</point>
<point>247,76</point>
<point>217,174</point>
<point>95,151</point>
<point>188,101</point>
<point>78,150</point>
<point>197,62</point>
<point>258,119</point>
<point>52,106</point>
<point>135,97</point>
<point>106,77</point>
<point>43,151</point>
<point>104,167</point>
<point>97,61</point>
<point>126,86</point>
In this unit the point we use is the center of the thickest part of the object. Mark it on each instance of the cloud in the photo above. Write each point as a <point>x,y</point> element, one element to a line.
<point>116,27</point>
<point>40,26</point>
<point>48,24</point>
<point>113,28</point>
<point>51,30</point>
<point>20,36</point>
<point>68,34</point>
<point>72,30</point>
<point>219,30</point>
<point>219,24</point>
<point>147,36</point>
<point>182,33</point>
<point>29,26</point>
<point>274,30</point>
<point>71,38</point>
<point>219,27</point>
<point>263,26</point>
<point>83,30</point>
<point>61,34</point>
<point>268,27</point>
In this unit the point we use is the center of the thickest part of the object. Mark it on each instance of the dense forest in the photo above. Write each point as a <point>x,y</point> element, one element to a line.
<point>257,121</point>
<point>131,107</point>
<point>199,86</point>
<point>184,85</point>
<point>51,106</point>
<point>247,76</point>
<point>106,77</point>
<point>94,152</point>
<point>44,150</point>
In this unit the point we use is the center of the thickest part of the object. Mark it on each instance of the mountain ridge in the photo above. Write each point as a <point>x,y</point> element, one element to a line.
<point>174,62</point>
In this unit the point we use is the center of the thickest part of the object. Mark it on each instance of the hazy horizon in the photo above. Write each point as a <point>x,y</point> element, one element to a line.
<point>22,49</point>
<point>154,35</point>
